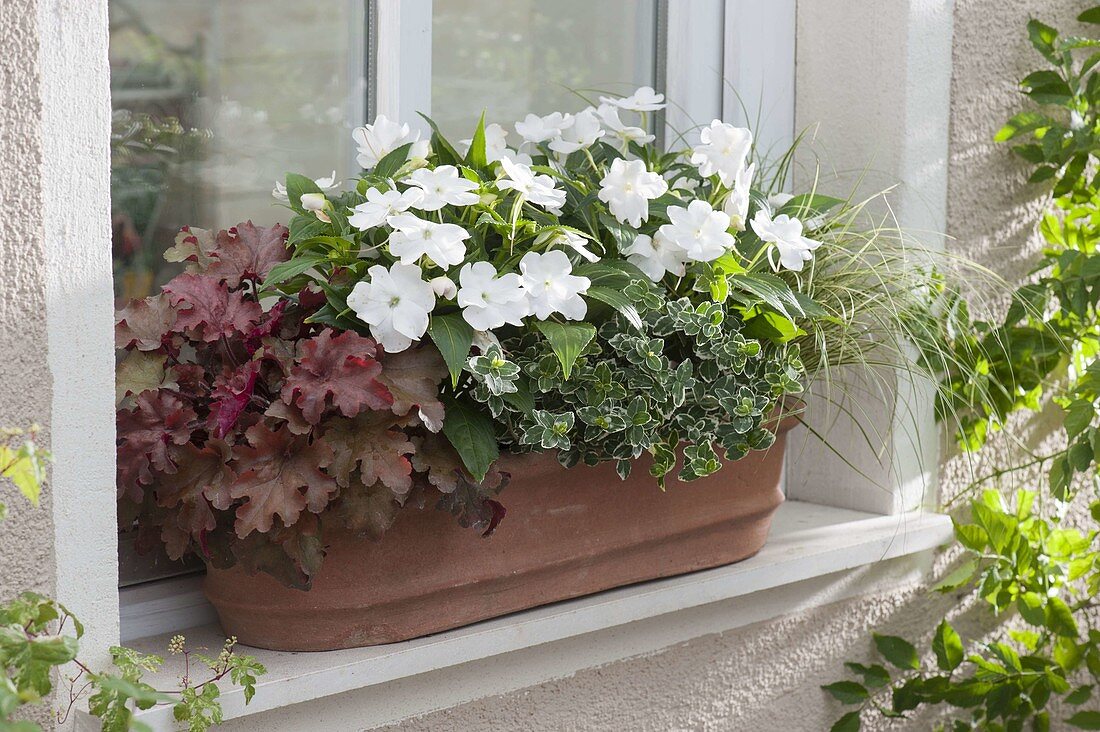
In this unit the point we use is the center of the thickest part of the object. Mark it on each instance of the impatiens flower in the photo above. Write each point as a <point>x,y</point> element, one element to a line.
<point>535,129</point>
<point>699,230</point>
<point>496,146</point>
<point>584,131</point>
<point>380,205</point>
<point>317,203</point>
<point>644,99</point>
<point>489,301</point>
<point>325,184</point>
<point>609,116</point>
<point>552,287</point>
<point>791,249</point>
<point>395,304</point>
<point>538,189</point>
<point>627,190</point>
<point>655,256</point>
<point>724,150</point>
<point>378,140</point>
<point>414,238</point>
<point>444,287</point>
<point>566,238</point>
<point>737,203</point>
<point>442,186</point>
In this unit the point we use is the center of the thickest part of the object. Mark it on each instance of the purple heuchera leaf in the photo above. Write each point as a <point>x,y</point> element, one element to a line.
<point>231,395</point>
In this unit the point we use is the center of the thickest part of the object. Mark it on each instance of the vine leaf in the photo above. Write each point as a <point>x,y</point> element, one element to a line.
<point>947,645</point>
<point>897,651</point>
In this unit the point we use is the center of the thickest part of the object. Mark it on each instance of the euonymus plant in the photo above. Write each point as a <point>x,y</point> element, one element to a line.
<point>1023,558</point>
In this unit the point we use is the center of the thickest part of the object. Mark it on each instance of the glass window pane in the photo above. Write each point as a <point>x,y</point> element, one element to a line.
<point>216,100</point>
<point>511,58</point>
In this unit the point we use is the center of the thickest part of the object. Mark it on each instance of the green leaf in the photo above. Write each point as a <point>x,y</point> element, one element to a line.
<point>476,156</point>
<point>948,647</point>
<point>1080,695</point>
<point>296,185</point>
<point>847,692</point>
<point>453,336</point>
<point>1043,37</point>
<point>617,300</point>
<point>957,577</point>
<point>874,676</point>
<point>1092,15</point>
<point>772,327</point>
<point>1032,609</point>
<point>291,268</point>
<point>897,651</point>
<point>1020,124</point>
<point>1060,618</point>
<point>848,723</point>
<point>443,149</point>
<point>771,290</point>
<point>392,161</point>
<point>471,434</point>
<point>1085,720</point>
<point>567,340</point>
<point>808,205</point>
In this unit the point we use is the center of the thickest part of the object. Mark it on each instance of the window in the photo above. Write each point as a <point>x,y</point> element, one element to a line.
<point>215,100</point>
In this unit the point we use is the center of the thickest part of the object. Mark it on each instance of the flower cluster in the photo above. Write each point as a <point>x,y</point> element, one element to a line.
<point>525,241</point>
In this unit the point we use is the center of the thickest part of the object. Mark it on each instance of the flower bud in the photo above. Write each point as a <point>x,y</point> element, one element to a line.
<point>443,287</point>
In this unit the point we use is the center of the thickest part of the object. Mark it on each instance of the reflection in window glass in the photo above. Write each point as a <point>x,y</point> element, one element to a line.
<point>216,100</point>
<point>511,58</point>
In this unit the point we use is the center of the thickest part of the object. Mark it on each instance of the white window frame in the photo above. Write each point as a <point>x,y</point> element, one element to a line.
<point>756,45</point>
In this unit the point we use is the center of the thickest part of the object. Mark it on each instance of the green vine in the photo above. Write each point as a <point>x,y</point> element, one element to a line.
<point>1023,560</point>
<point>36,646</point>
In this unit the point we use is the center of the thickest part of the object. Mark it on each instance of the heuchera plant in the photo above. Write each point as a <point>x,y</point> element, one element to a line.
<point>240,421</point>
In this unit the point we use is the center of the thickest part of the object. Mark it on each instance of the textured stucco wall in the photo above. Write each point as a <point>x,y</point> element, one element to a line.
<point>56,319</point>
<point>26,537</point>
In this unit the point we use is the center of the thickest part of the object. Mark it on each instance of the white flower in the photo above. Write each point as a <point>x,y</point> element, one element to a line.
<point>317,203</point>
<point>538,189</point>
<point>325,184</point>
<point>551,287</point>
<point>413,238</point>
<point>395,304</point>
<point>627,190</point>
<point>699,230</point>
<point>791,248</point>
<point>1076,120</point>
<point>489,301</point>
<point>378,140</point>
<point>644,99</point>
<point>724,150</point>
<point>496,146</point>
<point>609,116</point>
<point>779,200</point>
<point>571,239</point>
<point>444,287</point>
<point>535,129</point>
<point>656,255</point>
<point>737,203</point>
<point>584,131</point>
<point>380,205</point>
<point>442,186</point>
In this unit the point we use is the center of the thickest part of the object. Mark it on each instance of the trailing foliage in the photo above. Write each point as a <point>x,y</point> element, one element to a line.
<point>34,647</point>
<point>1023,560</point>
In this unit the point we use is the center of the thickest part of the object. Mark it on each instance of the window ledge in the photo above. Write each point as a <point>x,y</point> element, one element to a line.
<point>807,541</point>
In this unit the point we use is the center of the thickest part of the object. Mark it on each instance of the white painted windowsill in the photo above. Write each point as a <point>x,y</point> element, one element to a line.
<point>807,541</point>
